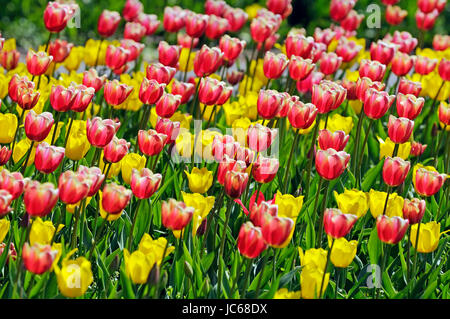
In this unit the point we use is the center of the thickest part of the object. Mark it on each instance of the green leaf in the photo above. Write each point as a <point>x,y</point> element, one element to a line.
<point>207,261</point>
<point>371,176</point>
<point>374,246</point>
<point>127,286</point>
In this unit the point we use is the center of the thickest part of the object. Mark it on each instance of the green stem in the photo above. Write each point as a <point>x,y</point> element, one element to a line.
<point>311,157</point>
<point>357,138</point>
<point>416,251</point>
<point>326,266</point>
<point>288,165</point>
<point>263,267</point>
<point>246,275</point>
<point>322,210</point>
<point>387,200</point>
<point>366,138</point>
<point>136,212</point>
<point>58,116</point>
<point>222,244</point>
<point>27,158</point>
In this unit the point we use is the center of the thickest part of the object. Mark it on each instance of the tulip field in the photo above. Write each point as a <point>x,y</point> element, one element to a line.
<point>225,150</point>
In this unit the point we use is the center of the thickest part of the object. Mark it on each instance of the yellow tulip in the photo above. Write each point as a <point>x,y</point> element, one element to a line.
<point>91,50</point>
<point>313,258</point>
<point>233,111</point>
<point>184,144</point>
<point>356,105</point>
<point>202,206</point>
<point>4,81</point>
<point>73,61</point>
<point>288,205</point>
<point>130,161</point>
<point>9,44</point>
<point>252,10</point>
<point>103,213</point>
<point>42,232</point>
<point>200,180</point>
<point>21,149</point>
<point>148,245</point>
<point>4,228</point>
<point>377,200</point>
<point>311,281</point>
<point>183,60</point>
<point>71,208</point>
<point>283,293</point>
<point>184,118</point>
<point>138,265</point>
<point>250,103</point>
<point>8,123</point>
<point>353,201</point>
<point>429,235</point>
<point>74,277</point>
<point>338,122</point>
<point>203,146</point>
<point>343,252</point>
<point>387,148</point>
<point>77,142</point>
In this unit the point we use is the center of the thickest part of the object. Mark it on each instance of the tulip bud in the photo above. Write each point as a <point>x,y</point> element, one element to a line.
<point>39,199</point>
<point>134,49</point>
<point>413,210</point>
<point>299,68</point>
<point>417,148</point>
<point>382,51</point>
<point>173,19</point>
<point>274,65</point>
<point>228,164</point>
<point>175,215</point>
<point>151,142</point>
<point>207,61</point>
<point>216,27</point>
<point>329,63</point>
<point>168,54</point>
<point>409,106</point>
<point>265,169</point>
<point>347,50</point>
<point>337,224</point>
<point>400,129</point>
<point>339,9</point>
<point>115,198</point>
<point>261,29</point>
<point>48,157</point>
<point>61,98</point>
<point>336,140</point>
<point>17,82</point>
<point>276,230</point>
<point>444,69</point>
<point>328,96</point>
<point>115,150</point>
<point>330,164</point>
<point>234,77</point>
<point>38,258</point>
<point>373,70</point>
<point>134,31</point>
<point>100,132</point>
<point>12,182</point>
<point>302,115</point>
<point>391,230</point>
<point>250,241</point>
<point>38,126</point>
<point>91,79</point>
<point>299,45</point>
<point>235,183</point>
<point>195,24</point>
<point>377,103</point>
<point>167,105</point>
<point>395,171</point>
<point>149,21</point>
<point>132,9</point>
<point>428,183</point>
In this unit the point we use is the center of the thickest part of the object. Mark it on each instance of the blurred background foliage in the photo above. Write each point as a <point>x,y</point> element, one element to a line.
<point>22,19</point>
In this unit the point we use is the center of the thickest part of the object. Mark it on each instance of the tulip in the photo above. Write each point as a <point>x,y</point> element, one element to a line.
<point>100,132</point>
<point>173,19</point>
<point>151,142</point>
<point>336,223</point>
<point>27,98</point>
<point>265,169</point>
<point>185,90</point>
<point>409,87</point>
<point>132,9</point>
<point>339,9</point>
<point>261,29</point>
<point>186,41</point>
<point>260,138</point>
<point>61,98</point>
<point>150,91</point>
<point>169,128</point>
<point>261,211</point>
<point>80,269</point>
<point>278,6</point>
<point>39,199</point>
<point>93,176</point>
<point>441,42</point>
<point>229,164</point>
<point>324,36</point>
<point>5,200</point>
<point>207,61</point>
<point>222,146</point>
<point>168,54</point>
<point>352,21</point>
<point>373,70</point>
<point>231,48</point>
<point>235,183</point>
<point>417,149</point>
<point>116,150</point>
<point>138,266</point>
<point>424,65</point>
<point>115,198</point>
<point>38,126</point>
<point>426,21</point>
<point>382,52</point>
<point>216,27</point>
<point>377,103</point>
<point>216,7</point>
<point>5,154</point>
<point>116,57</point>
<point>347,50</point>
<point>134,49</point>
<point>48,158</point>
<point>167,105</point>
<point>250,241</point>
<point>301,115</point>
<point>160,73</point>
<point>38,258</point>
<point>335,140</point>
<point>134,31</point>
<point>400,129</point>
<point>353,202</point>
<point>327,96</point>
<point>144,183</point>
<point>82,98</point>
<point>413,210</point>
<point>59,50</point>
<point>11,252</point>
<point>175,215</point>
<point>56,16</point>
<point>428,182</point>
<point>404,40</point>
<point>409,106</point>
<point>268,104</point>
<point>299,68</point>
<point>299,45</point>
<point>329,63</point>
<point>42,232</point>
<point>195,24</point>
<point>402,63</point>
<point>395,171</point>
<point>425,239</point>
<point>444,113</point>
<point>274,65</point>
<point>17,82</point>
<point>395,15</point>
<point>200,180</point>
<point>38,62</point>
<point>116,93</point>
<point>391,230</point>
<point>343,252</point>
<point>9,59</point>
<point>246,155</point>
<point>108,22</point>
<point>12,182</point>
<point>444,69</point>
<point>93,80</point>
<point>73,187</point>
<point>236,18</point>
<point>330,164</point>
<point>210,90</point>
<point>276,231</point>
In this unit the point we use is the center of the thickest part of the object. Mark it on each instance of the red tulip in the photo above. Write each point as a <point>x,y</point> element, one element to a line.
<point>428,183</point>
<point>409,87</point>
<point>426,6</point>
<point>175,215</point>
<point>186,41</point>
<point>48,157</point>
<point>336,140</point>
<point>409,105</point>
<point>108,21</point>
<point>9,59</point>
<point>116,57</point>
<point>377,103</point>
<point>144,183</point>
<point>444,69</point>
<point>216,27</point>
<point>235,183</point>
<point>27,98</point>
<point>258,212</point>
<point>373,70</point>
<point>299,68</point>
<point>337,224</point>
<point>260,137</point>
<point>402,63</point>
<point>441,42</point>
<point>395,15</point>
<point>151,142</point>
<point>328,96</point>
<point>73,187</point>
<point>168,54</point>
<point>299,45</point>
<point>425,65</point>
<point>330,164</point>
<point>278,6</point>
<point>417,149</point>
<point>224,95</point>
<point>134,49</point>
<point>395,171</point>
<point>269,103</point>
<point>274,64</point>
<point>195,24</point>
<point>39,199</point>
<point>391,230</point>
<point>173,19</point>
<point>116,93</point>
<point>364,84</point>
<point>382,51</point>
<point>307,84</point>
<point>216,7</point>
<point>115,198</point>
<point>151,91</point>
<point>207,61</point>
<point>149,21</point>
<point>82,98</point>
<point>93,80</point>
<point>231,48</point>
<point>228,164</point>
<point>100,132</point>
<point>261,29</point>
<point>347,50</point>
<point>413,210</point>
<point>276,230</point>
<point>56,16</point>
<point>400,129</point>
<point>132,9</point>
<point>5,200</point>
<point>185,90</point>
<point>17,82</point>
<point>5,154</point>
<point>210,90</point>
<point>12,182</point>
<point>234,77</point>
<point>38,126</point>
<point>167,105</point>
<point>404,40</point>
<point>339,9</point>
<point>265,169</point>
<point>61,98</point>
<point>93,176</point>
<point>352,21</point>
<point>444,113</point>
<point>38,258</point>
<point>160,73</point>
<point>38,62</point>
<point>115,150</point>
<point>302,115</point>
<point>236,18</point>
<point>59,50</point>
<point>169,128</point>
<point>426,21</point>
<point>250,241</point>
